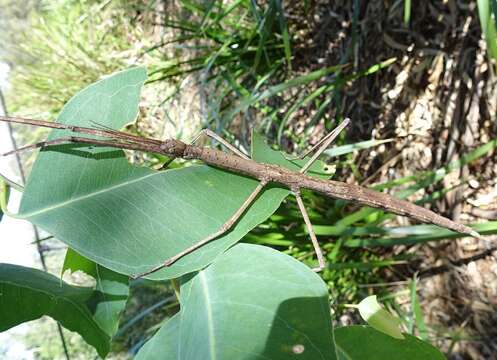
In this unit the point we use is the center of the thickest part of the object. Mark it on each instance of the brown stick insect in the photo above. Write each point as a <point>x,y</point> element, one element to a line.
<point>238,162</point>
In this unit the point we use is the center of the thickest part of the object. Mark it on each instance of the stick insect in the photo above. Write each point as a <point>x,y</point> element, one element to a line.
<point>240,163</point>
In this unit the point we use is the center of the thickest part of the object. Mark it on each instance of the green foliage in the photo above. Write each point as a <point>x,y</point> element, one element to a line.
<point>417,313</point>
<point>112,286</point>
<point>236,50</point>
<point>407,12</point>
<point>364,342</point>
<point>28,294</point>
<point>251,301</point>
<point>347,149</point>
<point>241,53</point>
<point>240,42</point>
<point>487,10</point>
<point>341,230</point>
<point>379,318</point>
<point>60,48</point>
<point>4,196</point>
<point>163,211</point>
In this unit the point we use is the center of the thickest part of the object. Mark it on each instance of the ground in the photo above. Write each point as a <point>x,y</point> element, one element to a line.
<point>439,101</point>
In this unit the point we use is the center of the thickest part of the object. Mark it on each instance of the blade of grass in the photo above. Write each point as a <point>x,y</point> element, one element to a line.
<point>493,4</point>
<point>263,29</point>
<point>346,149</point>
<point>276,89</point>
<point>365,266</point>
<point>284,33</point>
<point>228,11</point>
<point>407,12</point>
<point>488,26</point>
<point>297,105</point>
<point>431,233</point>
<point>417,312</point>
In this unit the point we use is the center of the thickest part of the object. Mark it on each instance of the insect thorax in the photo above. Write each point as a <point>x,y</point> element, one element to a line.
<point>172,147</point>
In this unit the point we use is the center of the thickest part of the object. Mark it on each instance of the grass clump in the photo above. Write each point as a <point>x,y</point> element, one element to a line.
<point>64,46</point>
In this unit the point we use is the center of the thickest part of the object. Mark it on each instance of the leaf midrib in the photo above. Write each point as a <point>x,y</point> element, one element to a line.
<point>86,196</point>
<point>210,321</point>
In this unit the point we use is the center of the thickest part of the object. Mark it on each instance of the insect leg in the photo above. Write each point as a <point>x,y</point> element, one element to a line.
<point>314,240</point>
<point>212,135</point>
<point>323,144</point>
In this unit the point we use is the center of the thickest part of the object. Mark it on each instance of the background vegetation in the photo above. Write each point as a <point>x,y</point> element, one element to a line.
<point>418,84</point>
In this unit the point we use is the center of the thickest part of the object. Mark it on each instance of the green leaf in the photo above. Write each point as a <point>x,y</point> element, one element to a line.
<point>252,302</point>
<point>165,341</point>
<point>112,286</point>
<point>130,219</point>
<point>5,186</point>
<point>416,234</point>
<point>364,342</point>
<point>346,149</point>
<point>262,153</point>
<point>27,294</point>
<point>379,318</point>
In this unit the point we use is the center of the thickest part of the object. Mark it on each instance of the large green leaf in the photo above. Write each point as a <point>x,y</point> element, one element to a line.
<point>127,218</point>
<point>364,342</point>
<point>27,294</point>
<point>252,302</point>
<point>112,287</point>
